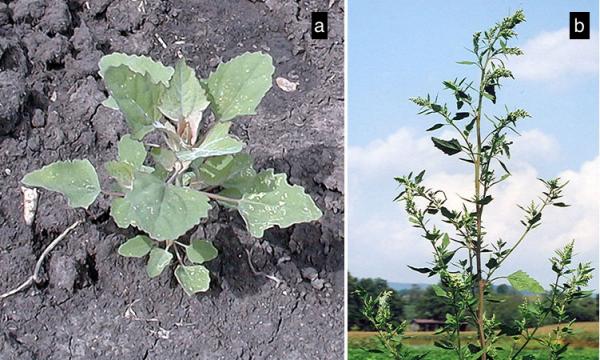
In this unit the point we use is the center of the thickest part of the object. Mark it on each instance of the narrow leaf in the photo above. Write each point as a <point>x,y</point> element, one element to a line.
<point>435,127</point>
<point>75,179</point>
<point>486,200</point>
<point>460,115</point>
<point>421,270</point>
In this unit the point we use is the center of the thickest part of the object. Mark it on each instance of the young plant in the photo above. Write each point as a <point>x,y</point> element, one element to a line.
<point>167,193</point>
<point>389,333</point>
<point>465,260</point>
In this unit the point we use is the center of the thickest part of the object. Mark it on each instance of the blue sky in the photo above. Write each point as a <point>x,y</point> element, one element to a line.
<point>400,49</point>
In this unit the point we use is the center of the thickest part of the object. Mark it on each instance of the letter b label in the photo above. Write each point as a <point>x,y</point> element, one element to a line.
<point>579,25</point>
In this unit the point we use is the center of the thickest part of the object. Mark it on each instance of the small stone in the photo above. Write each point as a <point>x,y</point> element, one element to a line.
<point>38,119</point>
<point>286,85</point>
<point>63,272</point>
<point>309,273</point>
<point>318,284</point>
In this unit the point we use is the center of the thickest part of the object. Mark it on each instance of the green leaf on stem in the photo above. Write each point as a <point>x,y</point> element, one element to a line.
<point>121,171</point>
<point>138,63</point>
<point>521,281</point>
<point>136,96</point>
<point>449,147</point>
<point>439,291</point>
<point>165,157</point>
<point>162,210</point>
<point>272,201</point>
<point>132,152</point>
<point>159,259</point>
<point>193,279</point>
<point>218,142</point>
<point>230,171</point>
<point>75,179</point>
<point>201,251</point>
<point>184,96</point>
<point>435,127</point>
<point>237,86</point>
<point>136,247</point>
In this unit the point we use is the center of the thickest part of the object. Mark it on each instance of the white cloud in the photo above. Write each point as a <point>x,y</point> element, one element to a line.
<point>382,242</point>
<point>552,55</point>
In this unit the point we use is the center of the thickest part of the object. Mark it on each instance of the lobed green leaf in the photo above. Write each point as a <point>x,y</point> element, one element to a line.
<point>75,179</point>
<point>272,201</point>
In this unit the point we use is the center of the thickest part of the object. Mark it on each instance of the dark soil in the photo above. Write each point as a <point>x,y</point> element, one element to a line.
<point>97,305</point>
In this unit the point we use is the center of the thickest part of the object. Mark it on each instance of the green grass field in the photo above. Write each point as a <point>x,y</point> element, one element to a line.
<point>583,344</point>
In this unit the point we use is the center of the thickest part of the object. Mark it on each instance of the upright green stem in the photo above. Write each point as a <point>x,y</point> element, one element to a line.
<point>479,211</point>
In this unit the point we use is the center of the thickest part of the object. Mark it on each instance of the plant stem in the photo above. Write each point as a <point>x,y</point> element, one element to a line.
<point>113,193</point>
<point>220,198</point>
<point>479,211</point>
<point>521,238</point>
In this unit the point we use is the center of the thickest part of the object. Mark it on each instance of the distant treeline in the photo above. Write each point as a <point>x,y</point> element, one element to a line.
<point>418,303</point>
